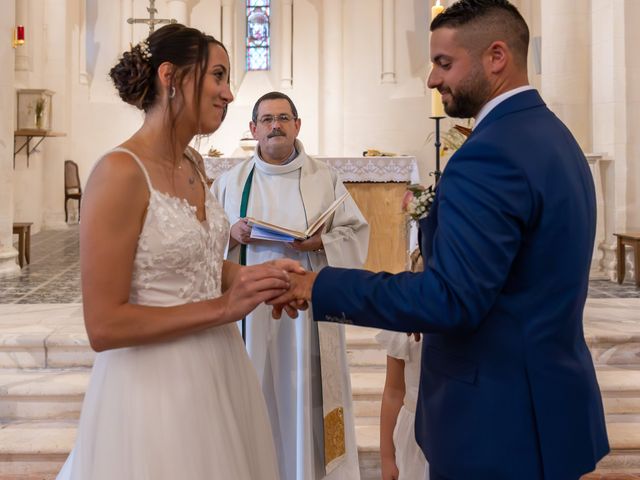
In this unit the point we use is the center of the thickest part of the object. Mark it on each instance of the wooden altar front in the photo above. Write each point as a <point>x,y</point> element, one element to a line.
<point>377,184</point>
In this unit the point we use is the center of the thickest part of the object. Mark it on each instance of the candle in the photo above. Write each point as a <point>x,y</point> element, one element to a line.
<point>20,33</point>
<point>436,10</point>
<point>437,109</point>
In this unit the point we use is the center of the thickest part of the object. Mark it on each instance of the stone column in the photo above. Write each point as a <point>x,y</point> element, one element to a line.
<point>331,79</point>
<point>22,59</point>
<point>566,64</point>
<point>612,41</point>
<point>286,73</point>
<point>56,65</point>
<point>388,42</point>
<point>178,10</point>
<point>8,254</point>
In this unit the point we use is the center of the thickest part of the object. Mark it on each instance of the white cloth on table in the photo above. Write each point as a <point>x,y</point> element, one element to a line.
<point>190,408</point>
<point>286,352</point>
<point>410,459</point>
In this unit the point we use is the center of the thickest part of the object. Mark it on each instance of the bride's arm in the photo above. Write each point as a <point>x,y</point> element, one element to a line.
<point>113,209</point>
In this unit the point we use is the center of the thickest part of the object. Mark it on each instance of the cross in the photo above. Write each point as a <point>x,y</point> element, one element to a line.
<point>152,21</point>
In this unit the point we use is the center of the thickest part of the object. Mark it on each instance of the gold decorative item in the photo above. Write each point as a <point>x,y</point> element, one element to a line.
<point>34,109</point>
<point>214,152</point>
<point>372,152</point>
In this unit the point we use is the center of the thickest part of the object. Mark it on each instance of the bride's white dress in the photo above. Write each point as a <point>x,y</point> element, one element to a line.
<point>190,408</point>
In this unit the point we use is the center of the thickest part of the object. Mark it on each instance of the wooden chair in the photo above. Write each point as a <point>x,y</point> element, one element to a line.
<point>72,188</point>
<point>23,230</point>
<point>633,240</point>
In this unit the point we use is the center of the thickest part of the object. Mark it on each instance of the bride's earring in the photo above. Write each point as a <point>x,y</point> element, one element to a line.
<point>172,92</point>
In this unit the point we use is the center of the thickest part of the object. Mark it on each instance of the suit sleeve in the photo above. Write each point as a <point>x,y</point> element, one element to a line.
<point>484,207</point>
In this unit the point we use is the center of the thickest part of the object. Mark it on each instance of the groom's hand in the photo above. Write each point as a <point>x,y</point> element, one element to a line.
<point>298,295</point>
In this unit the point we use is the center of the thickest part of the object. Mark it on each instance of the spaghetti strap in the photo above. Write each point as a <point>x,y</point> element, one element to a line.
<point>138,161</point>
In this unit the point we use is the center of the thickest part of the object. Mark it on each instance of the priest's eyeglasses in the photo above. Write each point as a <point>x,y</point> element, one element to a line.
<point>270,119</point>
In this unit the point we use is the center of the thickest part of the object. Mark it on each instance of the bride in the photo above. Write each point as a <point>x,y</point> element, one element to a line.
<point>172,394</point>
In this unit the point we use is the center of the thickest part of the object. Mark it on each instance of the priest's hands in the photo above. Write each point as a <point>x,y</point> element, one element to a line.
<point>311,244</point>
<point>240,233</point>
<point>296,297</point>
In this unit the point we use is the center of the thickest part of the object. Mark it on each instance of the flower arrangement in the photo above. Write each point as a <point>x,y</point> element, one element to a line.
<point>39,111</point>
<point>452,138</point>
<point>417,201</point>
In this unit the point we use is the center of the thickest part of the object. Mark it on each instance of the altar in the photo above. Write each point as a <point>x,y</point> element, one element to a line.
<point>377,184</point>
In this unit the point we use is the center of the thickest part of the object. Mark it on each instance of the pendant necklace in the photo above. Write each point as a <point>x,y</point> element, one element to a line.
<point>191,178</point>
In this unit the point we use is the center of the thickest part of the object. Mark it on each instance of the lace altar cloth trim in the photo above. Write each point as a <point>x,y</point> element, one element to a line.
<point>351,169</point>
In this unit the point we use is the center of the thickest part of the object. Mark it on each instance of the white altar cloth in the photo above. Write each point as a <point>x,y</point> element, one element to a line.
<point>351,169</point>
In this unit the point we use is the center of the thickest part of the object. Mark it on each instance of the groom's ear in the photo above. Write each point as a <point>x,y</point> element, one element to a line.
<point>498,56</point>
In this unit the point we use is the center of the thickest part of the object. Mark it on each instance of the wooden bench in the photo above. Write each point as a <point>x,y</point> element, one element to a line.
<point>633,240</point>
<point>23,230</point>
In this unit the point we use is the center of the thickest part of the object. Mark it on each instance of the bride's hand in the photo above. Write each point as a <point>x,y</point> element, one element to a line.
<point>293,307</point>
<point>287,265</point>
<point>256,284</point>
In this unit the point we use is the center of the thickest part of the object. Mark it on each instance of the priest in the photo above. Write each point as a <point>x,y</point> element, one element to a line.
<point>302,365</point>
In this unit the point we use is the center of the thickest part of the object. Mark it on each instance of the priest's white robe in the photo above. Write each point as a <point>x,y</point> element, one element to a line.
<point>285,352</point>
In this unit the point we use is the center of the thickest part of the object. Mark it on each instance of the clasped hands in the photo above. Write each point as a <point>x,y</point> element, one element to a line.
<point>298,295</point>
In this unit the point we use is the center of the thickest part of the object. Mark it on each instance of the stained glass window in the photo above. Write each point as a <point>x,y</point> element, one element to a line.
<point>258,34</point>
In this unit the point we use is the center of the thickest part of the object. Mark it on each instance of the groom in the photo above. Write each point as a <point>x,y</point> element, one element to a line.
<point>508,389</point>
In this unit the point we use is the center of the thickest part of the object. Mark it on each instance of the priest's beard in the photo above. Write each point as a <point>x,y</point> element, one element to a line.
<point>469,96</point>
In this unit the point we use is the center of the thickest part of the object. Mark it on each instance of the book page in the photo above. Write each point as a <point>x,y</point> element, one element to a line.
<point>275,229</point>
<point>277,233</point>
<point>260,233</point>
<point>321,220</point>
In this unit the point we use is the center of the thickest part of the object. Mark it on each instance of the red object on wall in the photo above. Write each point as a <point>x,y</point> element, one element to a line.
<point>20,33</point>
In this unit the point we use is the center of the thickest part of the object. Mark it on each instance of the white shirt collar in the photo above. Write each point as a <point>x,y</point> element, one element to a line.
<point>494,102</point>
<point>294,162</point>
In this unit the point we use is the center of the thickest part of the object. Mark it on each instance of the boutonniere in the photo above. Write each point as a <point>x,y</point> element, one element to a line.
<point>417,201</point>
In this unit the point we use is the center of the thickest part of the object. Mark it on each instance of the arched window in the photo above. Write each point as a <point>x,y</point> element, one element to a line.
<point>258,35</point>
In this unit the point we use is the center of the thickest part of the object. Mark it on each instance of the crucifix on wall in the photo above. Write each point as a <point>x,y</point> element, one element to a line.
<point>152,21</point>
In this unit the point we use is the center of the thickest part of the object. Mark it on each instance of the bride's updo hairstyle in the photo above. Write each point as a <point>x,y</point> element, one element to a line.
<point>135,74</point>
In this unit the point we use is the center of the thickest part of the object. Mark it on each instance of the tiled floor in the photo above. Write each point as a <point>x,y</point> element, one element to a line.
<point>54,274</point>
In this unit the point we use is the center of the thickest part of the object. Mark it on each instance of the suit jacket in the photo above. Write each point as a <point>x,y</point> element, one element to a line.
<point>508,388</point>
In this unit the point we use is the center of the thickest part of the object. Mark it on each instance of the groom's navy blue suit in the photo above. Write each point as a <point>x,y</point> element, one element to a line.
<point>508,389</point>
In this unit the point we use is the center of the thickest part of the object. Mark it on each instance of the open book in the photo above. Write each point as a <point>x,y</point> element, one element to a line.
<point>268,231</point>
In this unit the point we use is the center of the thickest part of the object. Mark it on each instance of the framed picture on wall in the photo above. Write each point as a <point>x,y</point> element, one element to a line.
<point>34,109</point>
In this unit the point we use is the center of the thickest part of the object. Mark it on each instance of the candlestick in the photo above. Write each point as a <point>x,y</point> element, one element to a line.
<point>437,144</point>
<point>437,108</point>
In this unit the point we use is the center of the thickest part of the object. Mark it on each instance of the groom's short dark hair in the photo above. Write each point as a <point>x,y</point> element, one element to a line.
<point>482,22</point>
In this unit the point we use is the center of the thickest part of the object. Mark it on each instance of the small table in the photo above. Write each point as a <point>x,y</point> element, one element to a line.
<point>23,230</point>
<point>633,240</point>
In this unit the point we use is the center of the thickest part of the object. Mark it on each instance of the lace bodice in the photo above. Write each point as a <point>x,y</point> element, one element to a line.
<point>178,259</point>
